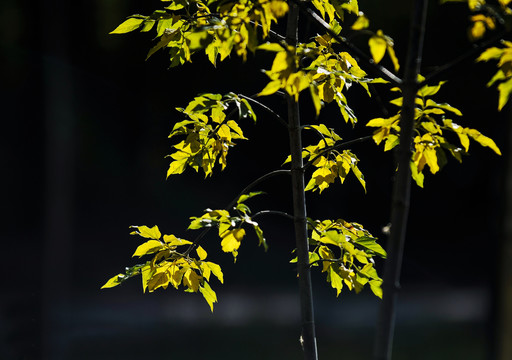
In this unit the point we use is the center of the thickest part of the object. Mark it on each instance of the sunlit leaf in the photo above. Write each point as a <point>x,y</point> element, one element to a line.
<point>378,47</point>
<point>128,25</point>
<point>148,247</point>
<point>208,294</point>
<point>231,240</point>
<point>144,231</point>
<point>113,281</point>
<point>201,252</point>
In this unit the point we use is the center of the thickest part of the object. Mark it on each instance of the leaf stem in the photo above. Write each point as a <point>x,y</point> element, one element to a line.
<point>266,108</point>
<point>273,212</point>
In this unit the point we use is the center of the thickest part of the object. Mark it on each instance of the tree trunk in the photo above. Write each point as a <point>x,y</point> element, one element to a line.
<point>308,337</point>
<point>401,188</point>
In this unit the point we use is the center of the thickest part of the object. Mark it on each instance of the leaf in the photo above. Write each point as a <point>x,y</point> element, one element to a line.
<point>201,253</point>
<point>493,53</point>
<point>270,88</point>
<point>144,231</point>
<point>165,39</point>
<point>208,294</point>
<point>216,270</point>
<point>113,281</point>
<point>504,89</point>
<point>375,286</point>
<point>231,240</point>
<point>268,46</point>
<point>336,280</point>
<point>378,47</point>
<point>128,25</point>
<point>417,175</point>
<point>361,23</point>
<point>149,247</point>
<point>245,197</point>
<point>483,140</point>
<point>191,280</point>
<point>172,240</point>
<point>370,243</point>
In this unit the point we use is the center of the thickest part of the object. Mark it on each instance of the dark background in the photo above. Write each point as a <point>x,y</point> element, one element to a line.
<point>85,125</point>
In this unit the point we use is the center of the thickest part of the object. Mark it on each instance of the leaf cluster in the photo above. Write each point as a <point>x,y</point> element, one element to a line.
<point>432,126</point>
<point>345,251</point>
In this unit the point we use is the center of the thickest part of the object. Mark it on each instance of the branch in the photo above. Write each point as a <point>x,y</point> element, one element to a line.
<point>266,108</point>
<point>273,212</point>
<point>468,54</point>
<point>256,182</point>
<point>354,51</point>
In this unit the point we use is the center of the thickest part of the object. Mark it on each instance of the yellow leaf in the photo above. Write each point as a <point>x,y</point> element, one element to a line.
<point>149,247</point>
<point>224,132</point>
<point>336,280</point>
<point>483,140</point>
<point>493,53</point>
<point>177,167</point>
<point>113,281</point>
<point>477,31</point>
<point>208,294</point>
<point>231,240</point>
<point>172,240</point>
<point>417,175</point>
<point>505,88</point>
<point>216,270</point>
<point>201,253</point>
<point>191,280</point>
<point>145,275</point>
<point>128,25</point>
<point>149,233</point>
<point>270,88</point>
<point>431,157</point>
<point>394,59</point>
<point>378,47</point>
<point>361,23</point>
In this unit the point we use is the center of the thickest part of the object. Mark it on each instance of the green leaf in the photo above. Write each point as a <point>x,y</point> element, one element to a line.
<point>245,197</point>
<point>128,25</point>
<point>336,280</point>
<point>370,243</point>
<point>375,286</point>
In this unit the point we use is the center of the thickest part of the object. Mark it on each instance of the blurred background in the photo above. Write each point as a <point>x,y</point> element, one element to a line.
<point>85,125</point>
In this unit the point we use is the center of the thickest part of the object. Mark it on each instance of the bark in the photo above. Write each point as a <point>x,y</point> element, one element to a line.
<point>308,337</point>
<point>401,188</point>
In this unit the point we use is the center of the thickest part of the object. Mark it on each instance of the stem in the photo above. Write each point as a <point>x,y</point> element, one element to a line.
<point>266,108</point>
<point>308,337</point>
<point>272,212</point>
<point>401,188</point>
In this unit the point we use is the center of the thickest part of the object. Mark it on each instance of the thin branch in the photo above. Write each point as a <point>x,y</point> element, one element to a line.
<point>266,108</point>
<point>354,51</point>
<point>205,231</point>
<point>273,212</point>
<point>256,182</point>
<point>336,147</point>
<point>468,54</point>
